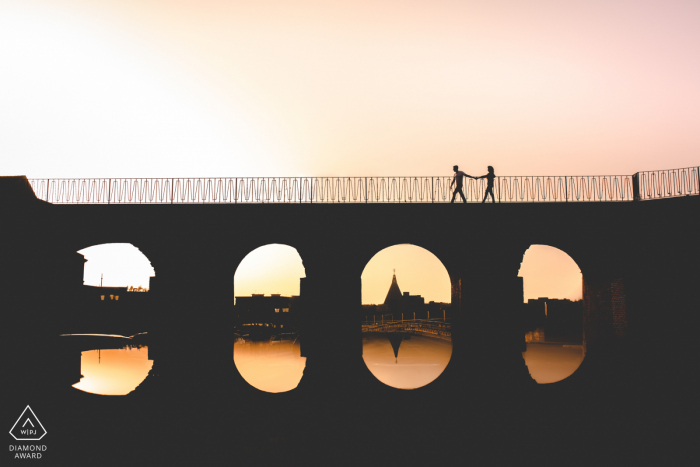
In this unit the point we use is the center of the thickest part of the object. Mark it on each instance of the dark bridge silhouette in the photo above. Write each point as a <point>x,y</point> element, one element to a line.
<point>639,262</point>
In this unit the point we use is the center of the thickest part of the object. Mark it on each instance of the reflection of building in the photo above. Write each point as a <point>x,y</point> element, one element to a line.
<point>397,305</point>
<point>535,336</point>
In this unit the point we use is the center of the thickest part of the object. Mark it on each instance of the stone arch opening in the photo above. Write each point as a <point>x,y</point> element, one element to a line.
<point>552,313</point>
<point>406,313</point>
<point>114,294</point>
<point>109,320</point>
<point>267,318</point>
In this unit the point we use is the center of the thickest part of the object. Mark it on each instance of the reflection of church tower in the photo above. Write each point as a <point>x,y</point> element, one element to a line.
<point>394,298</point>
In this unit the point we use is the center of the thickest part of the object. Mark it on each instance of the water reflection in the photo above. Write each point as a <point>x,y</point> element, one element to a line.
<point>409,354</point>
<point>113,372</point>
<point>266,351</point>
<point>271,365</point>
<point>551,360</point>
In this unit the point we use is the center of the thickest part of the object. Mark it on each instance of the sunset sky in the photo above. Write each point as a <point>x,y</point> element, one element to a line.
<point>155,88</point>
<point>546,272</point>
<point>187,88</point>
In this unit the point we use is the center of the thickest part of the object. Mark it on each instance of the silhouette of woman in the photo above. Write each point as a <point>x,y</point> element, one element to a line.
<point>489,185</point>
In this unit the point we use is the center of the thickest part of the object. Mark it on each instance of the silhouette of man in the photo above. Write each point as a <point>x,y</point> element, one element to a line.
<point>458,177</point>
<point>489,185</point>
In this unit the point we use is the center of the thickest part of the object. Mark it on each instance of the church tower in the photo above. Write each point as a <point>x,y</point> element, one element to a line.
<point>394,298</point>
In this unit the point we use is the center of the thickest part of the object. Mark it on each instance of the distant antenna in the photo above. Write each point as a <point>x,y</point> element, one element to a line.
<point>101,276</point>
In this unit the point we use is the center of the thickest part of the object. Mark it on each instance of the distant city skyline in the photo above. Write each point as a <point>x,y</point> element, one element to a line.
<point>276,269</point>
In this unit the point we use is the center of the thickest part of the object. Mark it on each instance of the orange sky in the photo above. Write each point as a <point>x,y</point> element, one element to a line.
<point>546,272</point>
<point>383,87</point>
<point>153,88</point>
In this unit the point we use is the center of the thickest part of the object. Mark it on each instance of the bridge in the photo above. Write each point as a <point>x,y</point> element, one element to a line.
<point>438,328</point>
<point>633,237</point>
<point>509,189</point>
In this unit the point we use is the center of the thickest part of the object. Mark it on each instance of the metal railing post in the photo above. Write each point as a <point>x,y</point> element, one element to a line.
<point>172,190</point>
<point>47,190</point>
<point>109,194</point>
<point>366,194</point>
<point>432,189</point>
<point>635,187</point>
<point>566,189</point>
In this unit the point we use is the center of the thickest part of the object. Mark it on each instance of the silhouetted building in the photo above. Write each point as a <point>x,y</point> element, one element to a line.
<point>394,298</point>
<point>437,310</point>
<point>95,297</point>
<point>559,318</point>
<point>105,294</point>
<point>398,305</point>
<point>412,304</point>
<point>273,311</point>
<point>107,310</point>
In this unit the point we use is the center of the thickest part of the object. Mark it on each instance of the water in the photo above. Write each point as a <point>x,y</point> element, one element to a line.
<point>276,366</point>
<point>549,363</point>
<point>271,366</point>
<point>113,372</point>
<point>549,359</point>
<point>420,359</point>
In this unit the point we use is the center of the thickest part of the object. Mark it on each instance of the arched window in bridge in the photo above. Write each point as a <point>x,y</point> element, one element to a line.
<point>111,323</point>
<point>552,314</point>
<point>406,328</point>
<point>266,349</point>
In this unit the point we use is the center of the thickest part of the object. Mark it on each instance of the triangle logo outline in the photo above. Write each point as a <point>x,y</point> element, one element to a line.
<point>27,416</point>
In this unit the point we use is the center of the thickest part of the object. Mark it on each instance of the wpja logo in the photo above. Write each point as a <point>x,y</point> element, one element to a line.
<point>28,428</point>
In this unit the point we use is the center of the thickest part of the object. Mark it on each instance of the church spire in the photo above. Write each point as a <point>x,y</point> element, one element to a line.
<point>394,295</point>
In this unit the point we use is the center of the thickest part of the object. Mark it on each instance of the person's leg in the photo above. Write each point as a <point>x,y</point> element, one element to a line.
<point>493,198</point>
<point>461,193</point>
<point>454,195</point>
<point>485,195</point>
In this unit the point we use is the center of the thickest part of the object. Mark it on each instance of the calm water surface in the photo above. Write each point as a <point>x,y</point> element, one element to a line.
<point>404,361</point>
<point>420,359</point>
<point>549,362</point>
<point>275,366</point>
<point>113,372</point>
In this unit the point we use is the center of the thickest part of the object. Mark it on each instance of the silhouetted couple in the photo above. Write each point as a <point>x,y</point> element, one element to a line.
<point>459,176</point>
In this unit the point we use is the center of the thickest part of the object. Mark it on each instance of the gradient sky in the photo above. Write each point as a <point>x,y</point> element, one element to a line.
<point>188,88</point>
<point>154,88</point>
<point>546,272</point>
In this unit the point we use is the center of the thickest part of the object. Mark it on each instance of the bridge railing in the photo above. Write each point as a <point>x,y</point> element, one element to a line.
<point>438,327</point>
<point>507,189</point>
<point>668,183</point>
<point>437,323</point>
